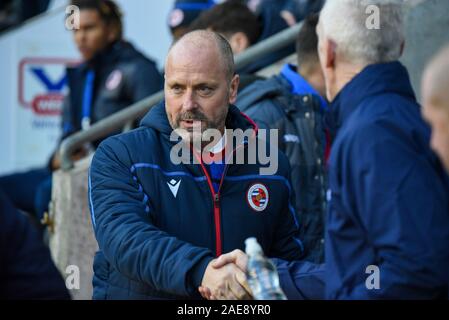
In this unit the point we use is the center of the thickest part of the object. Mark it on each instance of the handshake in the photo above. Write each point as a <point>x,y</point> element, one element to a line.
<point>225,278</point>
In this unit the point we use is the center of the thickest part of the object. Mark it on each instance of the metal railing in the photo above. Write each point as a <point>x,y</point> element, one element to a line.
<point>116,121</point>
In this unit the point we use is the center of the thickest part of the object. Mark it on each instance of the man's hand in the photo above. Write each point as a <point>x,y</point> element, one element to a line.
<point>236,262</point>
<point>224,283</point>
<point>238,257</point>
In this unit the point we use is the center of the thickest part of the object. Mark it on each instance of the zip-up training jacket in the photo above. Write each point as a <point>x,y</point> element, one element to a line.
<point>159,224</point>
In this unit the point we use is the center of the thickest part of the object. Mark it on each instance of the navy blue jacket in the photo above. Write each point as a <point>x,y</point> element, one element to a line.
<point>299,119</point>
<point>26,269</point>
<point>156,243</point>
<point>389,195</point>
<point>123,76</point>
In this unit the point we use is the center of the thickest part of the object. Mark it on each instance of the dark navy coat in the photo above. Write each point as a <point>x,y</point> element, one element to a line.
<point>389,204</point>
<point>27,271</point>
<point>159,224</point>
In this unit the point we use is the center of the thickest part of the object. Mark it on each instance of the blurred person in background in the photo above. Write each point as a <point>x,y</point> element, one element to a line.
<point>435,91</point>
<point>183,13</point>
<point>387,226</point>
<point>112,76</point>
<point>271,21</point>
<point>27,271</point>
<point>237,24</point>
<point>292,102</point>
<point>14,12</point>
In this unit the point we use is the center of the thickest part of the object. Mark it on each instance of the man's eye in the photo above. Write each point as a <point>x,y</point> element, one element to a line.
<point>205,90</point>
<point>176,89</point>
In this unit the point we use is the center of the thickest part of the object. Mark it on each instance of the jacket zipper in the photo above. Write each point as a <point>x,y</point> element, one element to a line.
<point>216,195</point>
<point>216,201</point>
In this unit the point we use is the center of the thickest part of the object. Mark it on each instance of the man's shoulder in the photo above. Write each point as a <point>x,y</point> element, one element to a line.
<point>385,114</point>
<point>383,127</point>
<point>129,143</point>
<point>261,92</point>
<point>130,58</point>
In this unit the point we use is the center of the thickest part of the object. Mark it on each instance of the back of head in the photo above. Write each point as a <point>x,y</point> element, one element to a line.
<point>364,31</point>
<point>228,18</point>
<point>307,42</point>
<point>108,11</point>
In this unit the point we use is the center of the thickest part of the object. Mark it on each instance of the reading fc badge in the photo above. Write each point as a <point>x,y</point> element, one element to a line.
<point>258,197</point>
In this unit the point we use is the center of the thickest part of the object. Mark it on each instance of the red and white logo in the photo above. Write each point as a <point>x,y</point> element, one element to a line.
<point>258,197</point>
<point>42,84</point>
<point>175,18</point>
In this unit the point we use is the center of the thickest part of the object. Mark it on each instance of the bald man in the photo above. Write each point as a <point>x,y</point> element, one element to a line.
<point>160,222</point>
<point>435,91</point>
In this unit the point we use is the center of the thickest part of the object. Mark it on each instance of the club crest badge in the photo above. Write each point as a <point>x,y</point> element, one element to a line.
<point>114,80</point>
<point>258,197</point>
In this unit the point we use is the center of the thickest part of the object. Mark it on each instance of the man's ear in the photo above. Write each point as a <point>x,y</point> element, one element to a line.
<point>234,88</point>
<point>402,47</point>
<point>112,33</point>
<point>239,42</point>
<point>330,51</point>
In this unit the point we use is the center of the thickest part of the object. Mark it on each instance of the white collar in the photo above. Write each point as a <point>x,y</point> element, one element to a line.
<point>220,145</point>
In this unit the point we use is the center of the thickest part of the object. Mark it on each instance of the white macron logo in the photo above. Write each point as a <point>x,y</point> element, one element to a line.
<point>174,186</point>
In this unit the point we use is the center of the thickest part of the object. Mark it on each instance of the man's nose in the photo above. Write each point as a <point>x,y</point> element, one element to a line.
<point>189,102</point>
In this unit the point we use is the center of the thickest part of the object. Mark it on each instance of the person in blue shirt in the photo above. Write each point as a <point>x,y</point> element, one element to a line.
<point>292,102</point>
<point>112,76</point>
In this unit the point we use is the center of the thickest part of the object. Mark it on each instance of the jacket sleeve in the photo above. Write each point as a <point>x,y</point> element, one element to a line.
<point>121,215</point>
<point>397,198</point>
<point>301,280</point>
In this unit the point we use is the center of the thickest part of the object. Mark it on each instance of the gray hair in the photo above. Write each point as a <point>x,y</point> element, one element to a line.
<point>345,22</point>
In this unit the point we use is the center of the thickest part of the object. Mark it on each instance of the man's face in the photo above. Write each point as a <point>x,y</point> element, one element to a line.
<point>93,34</point>
<point>438,118</point>
<point>197,90</point>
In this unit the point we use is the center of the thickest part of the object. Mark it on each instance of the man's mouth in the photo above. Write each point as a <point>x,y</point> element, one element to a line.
<point>190,123</point>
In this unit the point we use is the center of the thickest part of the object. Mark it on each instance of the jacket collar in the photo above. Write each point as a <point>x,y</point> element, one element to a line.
<point>375,79</point>
<point>299,85</point>
<point>109,55</point>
